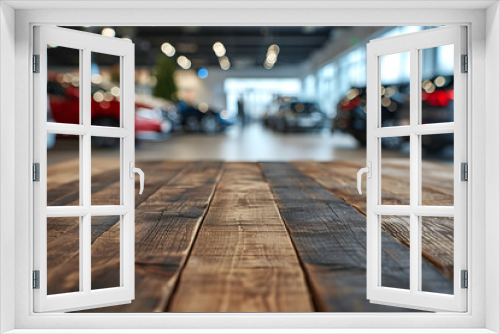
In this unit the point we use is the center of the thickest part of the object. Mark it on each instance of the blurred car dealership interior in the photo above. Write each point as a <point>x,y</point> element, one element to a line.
<point>251,93</point>
<point>250,139</point>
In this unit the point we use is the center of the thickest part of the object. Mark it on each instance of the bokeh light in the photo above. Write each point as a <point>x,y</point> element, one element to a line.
<point>110,32</point>
<point>202,73</point>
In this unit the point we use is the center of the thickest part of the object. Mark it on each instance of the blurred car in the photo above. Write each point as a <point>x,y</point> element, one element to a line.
<point>298,116</point>
<point>273,108</point>
<point>437,107</point>
<point>51,137</point>
<point>168,109</point>
<point>64,104</point>
<point>208,121</point>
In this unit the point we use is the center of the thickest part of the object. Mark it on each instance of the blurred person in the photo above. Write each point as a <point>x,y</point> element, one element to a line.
<point>241,112</point>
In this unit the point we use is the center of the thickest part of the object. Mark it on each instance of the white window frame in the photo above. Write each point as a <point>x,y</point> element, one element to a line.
<point>414,43</point>
<point>483,50</point>
<point>86,297</point>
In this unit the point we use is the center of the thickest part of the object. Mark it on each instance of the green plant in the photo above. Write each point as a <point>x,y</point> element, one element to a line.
<point>165,83</point>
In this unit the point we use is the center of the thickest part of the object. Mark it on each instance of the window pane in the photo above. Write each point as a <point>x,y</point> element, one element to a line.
<point>106,171</point>
<point>437,169</point>
<point>437,84</point>
<point>63,170</point>
<point>63,86</point>
<point>395,256</point>
<point>105,90</point>
<point>437,248</point>
<point>395,89</point>
<point>395,171</point>
<point>63,254</point>
<point>105,252</point>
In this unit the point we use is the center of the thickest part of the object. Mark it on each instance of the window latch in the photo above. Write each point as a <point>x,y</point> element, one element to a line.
<point>134,170</point>
<point>368,171</point>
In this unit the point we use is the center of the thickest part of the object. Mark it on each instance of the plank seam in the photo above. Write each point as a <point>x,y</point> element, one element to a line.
<point>185,260</point>
<point>427,256</point>
<point>307,279</point>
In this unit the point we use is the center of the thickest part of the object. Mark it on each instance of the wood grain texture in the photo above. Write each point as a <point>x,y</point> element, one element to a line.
<point>330,238</point>
<point>437,234</point>
<point>243,259</point>
<point>227,228</point>
<point>61,232</point>
<point>166,226</point>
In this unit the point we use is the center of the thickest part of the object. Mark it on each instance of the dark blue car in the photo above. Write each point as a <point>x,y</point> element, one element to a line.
<point>195,120</point>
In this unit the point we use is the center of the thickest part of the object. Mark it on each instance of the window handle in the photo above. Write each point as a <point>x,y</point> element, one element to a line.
<point>368,171</point>
<point>134,170</point>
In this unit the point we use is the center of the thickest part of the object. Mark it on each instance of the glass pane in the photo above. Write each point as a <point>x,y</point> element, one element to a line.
<point>63,86</point>
<point>437,169</point>
<point>395,252</point>
<point>105,90</point>
<point>437,248</point>
<point>105,252</point>
<point>63,170</point>
<point>63,255</point>
<point>437,84</point>
<point>106,172</point>
<point>395,171</point>
<point>395,89</point>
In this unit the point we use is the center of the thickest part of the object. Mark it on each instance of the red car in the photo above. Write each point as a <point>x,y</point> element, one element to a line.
<point>64,106</point>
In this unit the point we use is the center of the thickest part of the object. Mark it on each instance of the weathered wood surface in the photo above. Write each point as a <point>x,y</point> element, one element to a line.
<point>166,227</point>
<point>437,184</point>
<point>330,238</point>
<point>214,237</point>
<point>63,233</point>
<point>243,259</point>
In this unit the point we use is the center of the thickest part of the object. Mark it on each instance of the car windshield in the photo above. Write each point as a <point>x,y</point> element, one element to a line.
<point>301,107</point>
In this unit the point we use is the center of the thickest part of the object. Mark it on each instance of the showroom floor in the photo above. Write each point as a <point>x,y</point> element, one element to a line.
<point>248,237</point>
<point>253,143</point>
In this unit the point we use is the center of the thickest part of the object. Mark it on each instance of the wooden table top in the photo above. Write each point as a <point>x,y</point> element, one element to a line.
<point>249,237</point>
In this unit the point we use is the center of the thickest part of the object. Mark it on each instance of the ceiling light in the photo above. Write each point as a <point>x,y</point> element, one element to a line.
<point>184,63</point>
<point>271,58</point>
<point>219,49</point>
<point>98,96</point>
<point>268,66</point>
<point>96,78</point>
<point>168,49</point>
<point>440,81</point>
<point>110,32</point>
<point>115,91</point>
<point>273,48</point>
<point>224,63</point>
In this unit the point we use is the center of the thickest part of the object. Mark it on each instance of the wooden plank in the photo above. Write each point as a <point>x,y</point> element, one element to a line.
<point>330,238</point>
<point>437,237</point>
<point>62,172</point>
<point>243,259</point>
<point>166,226</point>
<point>60,250</point>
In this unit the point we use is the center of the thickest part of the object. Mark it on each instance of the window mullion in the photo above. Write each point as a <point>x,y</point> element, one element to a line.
<point>415,189</point>
<point>86,165</point>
